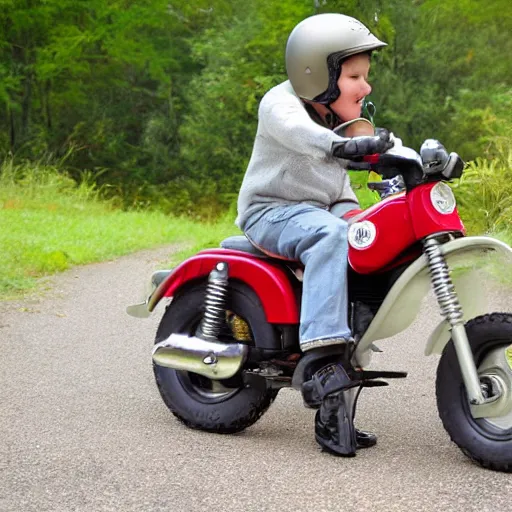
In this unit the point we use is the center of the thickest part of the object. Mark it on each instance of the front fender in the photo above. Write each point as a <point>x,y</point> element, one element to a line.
<point>269,281</point>
<point>403,301</point>
<point>473,304</point>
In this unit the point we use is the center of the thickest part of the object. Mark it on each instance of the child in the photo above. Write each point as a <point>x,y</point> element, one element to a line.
<point>296,188</point>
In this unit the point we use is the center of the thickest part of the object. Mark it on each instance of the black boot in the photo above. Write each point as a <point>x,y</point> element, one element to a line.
<point>365,439</point>
<point>335,392</point>
<point>309,365</point>
<point>327,437</point>
<point>334,428</point>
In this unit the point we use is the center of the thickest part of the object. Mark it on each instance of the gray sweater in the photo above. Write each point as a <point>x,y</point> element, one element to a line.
<point>291,160</point>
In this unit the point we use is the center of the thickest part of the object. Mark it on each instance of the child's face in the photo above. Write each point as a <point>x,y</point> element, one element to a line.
<point>353,86</point>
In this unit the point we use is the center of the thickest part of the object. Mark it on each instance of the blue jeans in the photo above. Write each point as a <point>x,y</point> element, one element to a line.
<point>318,239</point>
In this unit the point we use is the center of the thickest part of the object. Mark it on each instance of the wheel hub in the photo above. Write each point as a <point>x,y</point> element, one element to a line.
<point>495,374</point>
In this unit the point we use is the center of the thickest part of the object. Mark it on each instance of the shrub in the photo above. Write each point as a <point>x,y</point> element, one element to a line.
<point>484,194</point>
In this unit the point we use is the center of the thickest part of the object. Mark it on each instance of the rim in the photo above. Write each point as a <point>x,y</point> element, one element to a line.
<point>497,364</point>
<point>494,362</point>
<point>206,390</point>
<point>203,389</point>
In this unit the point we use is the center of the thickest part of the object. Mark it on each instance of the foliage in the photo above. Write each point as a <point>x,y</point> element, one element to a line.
<point>158,100</point>
<point>484,195</point>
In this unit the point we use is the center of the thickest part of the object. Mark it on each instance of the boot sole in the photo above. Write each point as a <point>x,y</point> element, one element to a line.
<point>332,449</point>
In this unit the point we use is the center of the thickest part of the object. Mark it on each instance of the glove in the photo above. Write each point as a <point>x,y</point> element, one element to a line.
<point>356,147</point>
<point>392,137</point>
<point>382,131</point>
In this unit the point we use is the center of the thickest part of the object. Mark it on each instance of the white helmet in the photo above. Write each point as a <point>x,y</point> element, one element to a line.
<point>315,48</point>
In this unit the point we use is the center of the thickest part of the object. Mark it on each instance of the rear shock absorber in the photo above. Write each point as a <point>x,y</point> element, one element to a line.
<point>451,310</point>
<point>215,303</point>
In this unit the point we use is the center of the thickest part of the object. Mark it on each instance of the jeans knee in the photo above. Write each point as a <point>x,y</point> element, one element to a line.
<point>336,232</point>
<point>328,239</point>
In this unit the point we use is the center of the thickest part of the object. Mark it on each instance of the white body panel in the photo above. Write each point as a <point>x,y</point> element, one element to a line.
<point>403,301</point>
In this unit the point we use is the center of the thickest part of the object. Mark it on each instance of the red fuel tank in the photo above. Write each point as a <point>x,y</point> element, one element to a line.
<point>381,233</point>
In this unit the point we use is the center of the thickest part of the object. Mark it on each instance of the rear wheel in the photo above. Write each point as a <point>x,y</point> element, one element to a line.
<point>225,406</point>
<point>487,441</point>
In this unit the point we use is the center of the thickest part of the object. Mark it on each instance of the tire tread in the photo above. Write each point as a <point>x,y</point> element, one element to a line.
<point>236,417</point>
<point>496,318</point>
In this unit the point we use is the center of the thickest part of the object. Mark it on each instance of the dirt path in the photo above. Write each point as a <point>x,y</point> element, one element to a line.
<point>82,427</point>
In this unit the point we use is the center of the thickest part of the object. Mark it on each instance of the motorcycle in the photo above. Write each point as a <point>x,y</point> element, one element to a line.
<point>228,340</point>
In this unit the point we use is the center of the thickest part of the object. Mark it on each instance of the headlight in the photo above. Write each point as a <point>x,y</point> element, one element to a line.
<point>442,198</point>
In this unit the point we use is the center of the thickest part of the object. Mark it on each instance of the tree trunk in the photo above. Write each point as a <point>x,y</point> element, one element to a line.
<point>26,104</point>
<point>48,111</point>
<point>12,129</point>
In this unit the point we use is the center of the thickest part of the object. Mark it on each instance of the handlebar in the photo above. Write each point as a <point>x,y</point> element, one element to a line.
<point>404,161</point>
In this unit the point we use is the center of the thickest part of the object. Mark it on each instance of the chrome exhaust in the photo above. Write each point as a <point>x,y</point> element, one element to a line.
<point>208,358</point>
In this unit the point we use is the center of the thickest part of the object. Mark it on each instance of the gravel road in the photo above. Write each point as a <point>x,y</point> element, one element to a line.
<point>82,427</point>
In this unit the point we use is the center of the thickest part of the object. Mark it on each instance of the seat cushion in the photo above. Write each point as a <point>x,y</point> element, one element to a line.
<point>240,243</point>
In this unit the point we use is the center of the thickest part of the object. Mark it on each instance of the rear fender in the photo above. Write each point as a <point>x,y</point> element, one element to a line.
<point>403,302</point>
<point>268,280</point>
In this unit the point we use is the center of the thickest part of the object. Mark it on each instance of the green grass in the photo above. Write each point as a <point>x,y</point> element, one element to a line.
<point>39,242</point>
<point>48,224</point>
<point>508,353</point>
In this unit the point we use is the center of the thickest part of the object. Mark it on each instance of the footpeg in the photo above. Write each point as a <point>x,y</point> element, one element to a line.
<point>373,383</point>
<point>370,374</point>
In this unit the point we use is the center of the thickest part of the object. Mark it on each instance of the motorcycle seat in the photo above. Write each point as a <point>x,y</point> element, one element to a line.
<point>242,243</point>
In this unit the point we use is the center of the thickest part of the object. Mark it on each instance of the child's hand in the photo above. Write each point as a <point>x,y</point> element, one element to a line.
<point>357,147</point>
<point>392,137</point>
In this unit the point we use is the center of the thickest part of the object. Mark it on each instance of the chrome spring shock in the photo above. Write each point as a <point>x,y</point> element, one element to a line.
<point>215,302</point>
<point>442,283</point>
<point>452,312</point>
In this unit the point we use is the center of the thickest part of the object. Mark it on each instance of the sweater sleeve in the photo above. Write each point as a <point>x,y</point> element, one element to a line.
<point>289,124</point>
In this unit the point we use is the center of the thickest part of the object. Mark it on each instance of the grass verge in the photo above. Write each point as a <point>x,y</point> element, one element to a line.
<point>48,224</point>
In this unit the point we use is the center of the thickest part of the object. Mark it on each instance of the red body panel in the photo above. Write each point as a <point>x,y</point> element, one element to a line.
<point>268,280</point>
<point>426,219</point>
<point>394,233</point>
<point>399,222</point>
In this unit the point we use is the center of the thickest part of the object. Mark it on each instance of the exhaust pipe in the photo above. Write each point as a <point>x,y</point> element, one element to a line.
<point>208,358</point>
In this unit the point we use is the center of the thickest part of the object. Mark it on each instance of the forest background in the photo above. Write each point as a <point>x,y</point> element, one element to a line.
<point>153,103</point>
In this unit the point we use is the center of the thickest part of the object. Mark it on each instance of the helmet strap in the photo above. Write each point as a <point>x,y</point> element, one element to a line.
<point>332,119</point>
<point>327,119</point>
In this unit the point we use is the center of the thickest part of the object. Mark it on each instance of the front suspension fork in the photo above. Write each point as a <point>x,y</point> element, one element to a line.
<point>451,310</point>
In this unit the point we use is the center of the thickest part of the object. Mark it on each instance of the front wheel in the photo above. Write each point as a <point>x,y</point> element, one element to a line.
<point>226,406</point>
<point>487,441</point>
